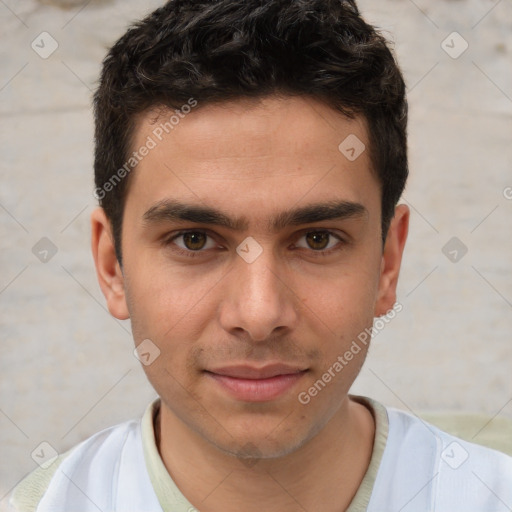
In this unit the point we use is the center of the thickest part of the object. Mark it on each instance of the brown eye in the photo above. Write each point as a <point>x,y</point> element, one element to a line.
<point>318,240</point>
<point>194,240</point>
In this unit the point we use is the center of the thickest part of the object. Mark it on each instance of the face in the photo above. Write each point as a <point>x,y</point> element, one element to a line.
<point>252,260</point>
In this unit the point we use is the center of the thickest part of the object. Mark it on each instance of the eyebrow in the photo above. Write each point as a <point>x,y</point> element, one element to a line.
<point>169,210</point>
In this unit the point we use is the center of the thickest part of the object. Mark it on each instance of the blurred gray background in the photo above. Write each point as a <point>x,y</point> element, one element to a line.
<point>67,367</point>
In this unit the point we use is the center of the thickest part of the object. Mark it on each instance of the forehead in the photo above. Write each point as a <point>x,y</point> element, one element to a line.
<point>275,148</point>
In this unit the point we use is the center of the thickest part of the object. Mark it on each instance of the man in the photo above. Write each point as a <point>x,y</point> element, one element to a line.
<point>249,160</point>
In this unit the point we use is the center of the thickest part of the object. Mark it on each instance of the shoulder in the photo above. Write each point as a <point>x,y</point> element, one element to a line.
<point>434,470</point>
<point>90,472</point>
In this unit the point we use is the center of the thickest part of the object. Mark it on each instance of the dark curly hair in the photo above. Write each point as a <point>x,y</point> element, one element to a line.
<point>219,50</point>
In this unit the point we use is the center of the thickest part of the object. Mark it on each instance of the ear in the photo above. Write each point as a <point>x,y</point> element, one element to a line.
<point>108,270</point>
<point>392,259</point>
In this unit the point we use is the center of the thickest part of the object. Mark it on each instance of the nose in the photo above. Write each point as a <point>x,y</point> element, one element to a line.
<point>258,299</point>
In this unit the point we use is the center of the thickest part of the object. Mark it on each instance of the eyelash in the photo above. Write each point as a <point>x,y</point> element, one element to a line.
<point>194,254</point>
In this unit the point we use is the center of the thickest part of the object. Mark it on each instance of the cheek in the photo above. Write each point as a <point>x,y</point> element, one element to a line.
<point>342,299</point>
<point>167,300</point>
<point>171,315</point>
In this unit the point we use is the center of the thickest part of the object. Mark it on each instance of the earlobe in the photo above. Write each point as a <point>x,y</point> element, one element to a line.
<point>392,259</point>
<point>108,270</point>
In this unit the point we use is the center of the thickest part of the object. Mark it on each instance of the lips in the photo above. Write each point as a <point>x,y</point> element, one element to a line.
<point>251,372</point>
<point>252,384</point>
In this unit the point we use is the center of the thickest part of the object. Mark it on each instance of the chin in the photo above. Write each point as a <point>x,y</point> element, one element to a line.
<point>250,450</point>
<point>273,443</point>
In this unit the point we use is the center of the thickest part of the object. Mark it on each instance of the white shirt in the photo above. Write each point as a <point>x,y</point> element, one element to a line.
<point>415,467</point>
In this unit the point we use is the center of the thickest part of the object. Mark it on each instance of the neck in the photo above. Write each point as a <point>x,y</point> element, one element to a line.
<point>325,471</point>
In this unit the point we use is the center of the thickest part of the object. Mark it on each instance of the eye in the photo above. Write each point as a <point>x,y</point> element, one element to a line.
<point>319,240</point>
<point>192,241</point>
